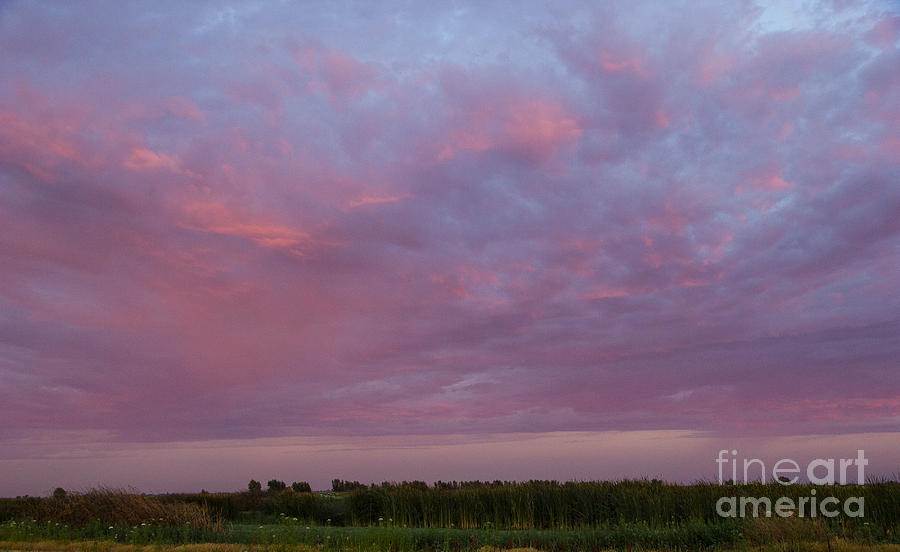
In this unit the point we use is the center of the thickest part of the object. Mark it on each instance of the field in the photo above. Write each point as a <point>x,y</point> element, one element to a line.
<point>448,517</point>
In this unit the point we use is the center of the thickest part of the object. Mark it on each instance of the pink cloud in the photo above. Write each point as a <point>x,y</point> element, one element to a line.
<point>772,182</point>
<point>377,200</point>
<point>615,64</point>
<point>176,106</point>
<point>41,142</point>
<point>217,218</point>
<point>885,32</point>
<point>142,159</point>
<point>386,226</point>
<point>713,66</point>
<point>540,127</point>
<point>337,75</point>
<point>534,128</point>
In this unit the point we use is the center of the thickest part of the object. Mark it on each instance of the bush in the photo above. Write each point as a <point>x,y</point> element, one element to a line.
<point>301,487</point>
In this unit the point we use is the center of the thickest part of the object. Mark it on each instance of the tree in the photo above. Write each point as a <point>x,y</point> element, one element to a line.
<point>59,493</point>
<point>341,486</point>
<point>301,487</point>
<point>276,485</point>
<point>254,486</point>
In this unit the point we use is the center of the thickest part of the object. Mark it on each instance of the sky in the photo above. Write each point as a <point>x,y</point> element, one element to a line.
<point>402,240</point>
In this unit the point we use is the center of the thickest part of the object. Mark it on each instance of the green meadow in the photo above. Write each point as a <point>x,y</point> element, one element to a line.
<point>448,517</point>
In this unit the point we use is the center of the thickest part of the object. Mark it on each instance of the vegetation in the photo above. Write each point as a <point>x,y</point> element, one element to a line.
<point>341,486</point>
<point>108,506</point>
<point>106,546</point>
<point>571,505</point>
<point>288,533</point>
<point>452,517</point>
<point>275,485</point>
<point>301,487</point>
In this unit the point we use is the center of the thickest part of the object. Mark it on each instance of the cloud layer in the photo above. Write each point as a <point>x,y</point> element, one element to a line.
<point>224,221</point>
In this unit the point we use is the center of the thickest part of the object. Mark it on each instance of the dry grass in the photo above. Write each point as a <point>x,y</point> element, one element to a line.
<point>834,546</point>
<point>116,506</point>
<point>103,546</point>
<point>764,530</point>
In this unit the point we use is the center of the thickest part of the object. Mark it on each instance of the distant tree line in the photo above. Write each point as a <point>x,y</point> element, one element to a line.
<point>341,486</point>
<point>275,486</point>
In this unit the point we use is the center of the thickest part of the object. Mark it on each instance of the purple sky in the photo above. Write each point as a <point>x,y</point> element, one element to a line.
<point>332,240</point>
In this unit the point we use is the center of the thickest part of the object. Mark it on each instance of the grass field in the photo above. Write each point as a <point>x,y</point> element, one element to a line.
<point>468,517</point>
<point>100,546</point>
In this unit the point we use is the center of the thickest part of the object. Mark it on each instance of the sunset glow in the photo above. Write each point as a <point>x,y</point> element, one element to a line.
<point>380,241</point>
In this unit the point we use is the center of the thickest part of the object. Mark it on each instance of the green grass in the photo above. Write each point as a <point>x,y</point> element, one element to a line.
<point>790,534</point>
<point>395,539</point>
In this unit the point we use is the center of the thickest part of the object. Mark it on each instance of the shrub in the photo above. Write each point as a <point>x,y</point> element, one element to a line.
<point>301,487</point>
